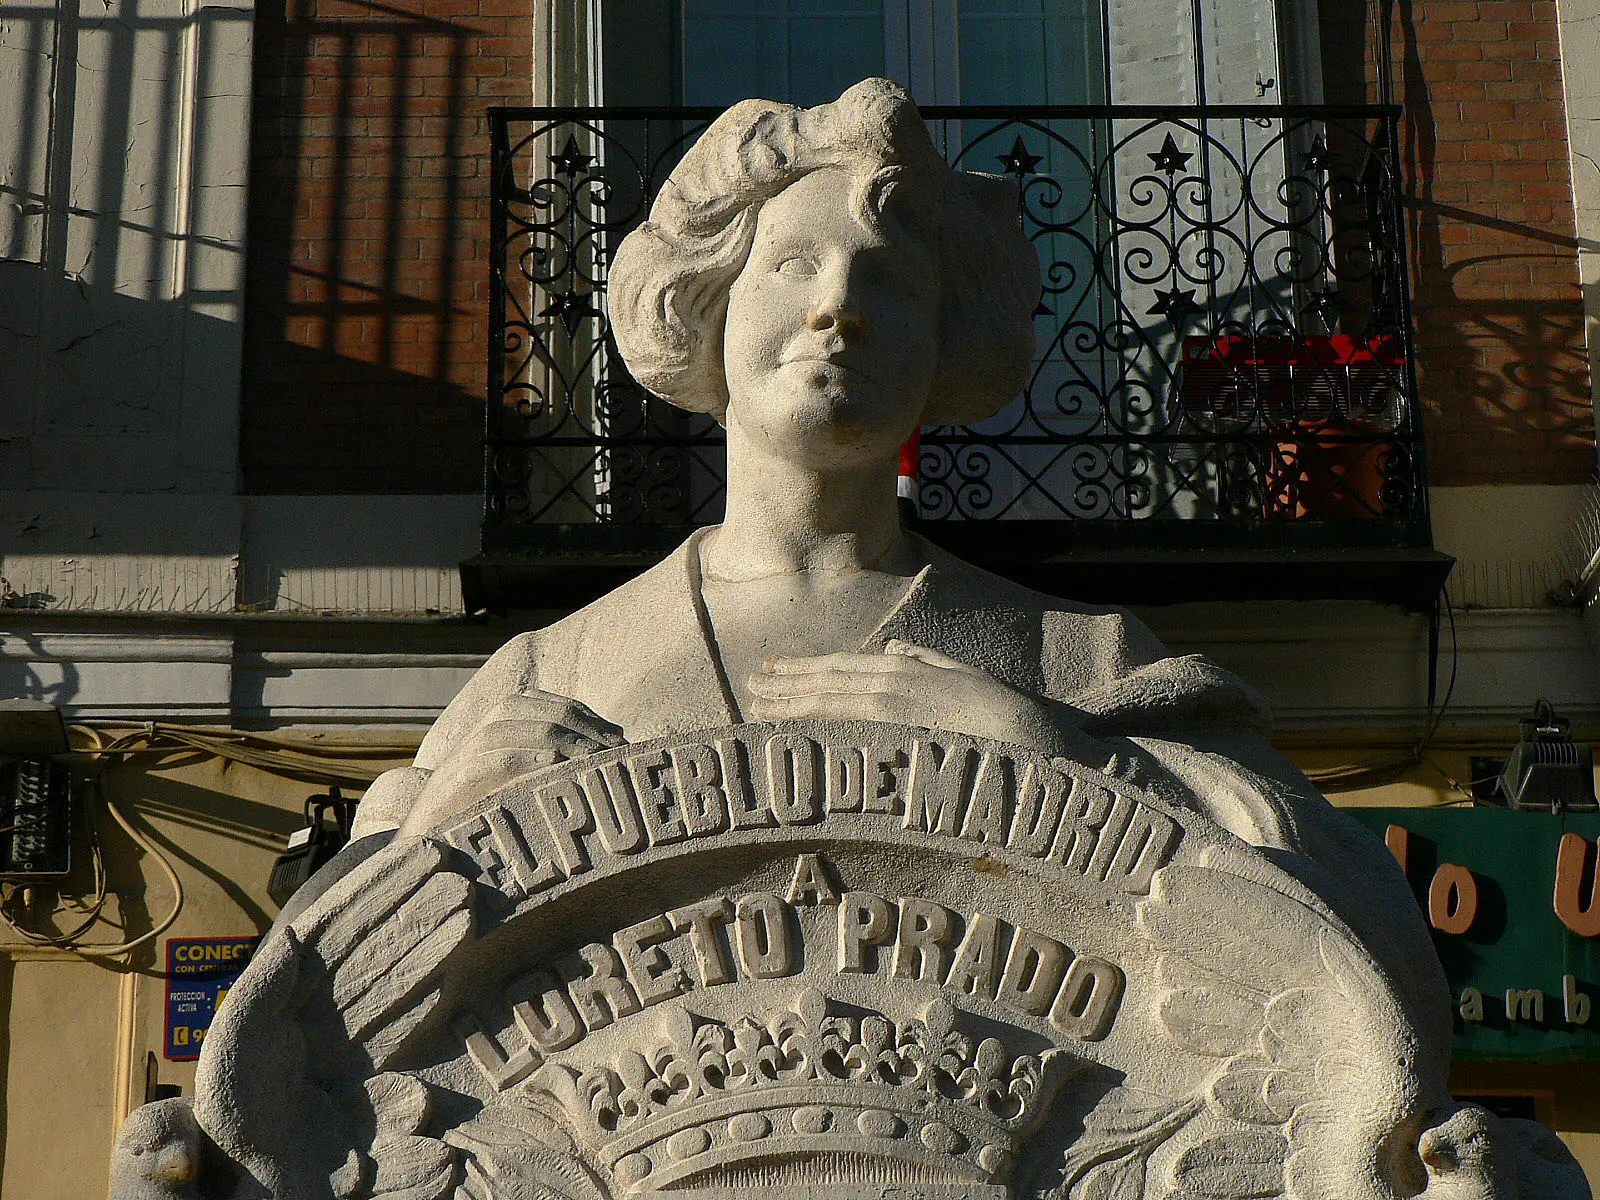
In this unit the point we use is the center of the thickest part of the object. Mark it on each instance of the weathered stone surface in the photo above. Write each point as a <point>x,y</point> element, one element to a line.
<point>814,863</point>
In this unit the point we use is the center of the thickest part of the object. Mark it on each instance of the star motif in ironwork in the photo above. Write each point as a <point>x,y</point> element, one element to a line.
<point>1169,158</point>
<point>1317,158</point>
<point>1018,161</point>
<point>1175,304</point>
<point>1327,305</point>
<point>570,308</point>
<point>572,161</point>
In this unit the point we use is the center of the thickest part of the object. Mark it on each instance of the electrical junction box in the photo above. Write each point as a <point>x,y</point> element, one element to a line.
<point>31,729</point>
<point>35,818</point>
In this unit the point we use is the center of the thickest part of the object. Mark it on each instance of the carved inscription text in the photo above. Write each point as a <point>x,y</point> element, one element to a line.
<point>581,817</point>
<point>724,940</point>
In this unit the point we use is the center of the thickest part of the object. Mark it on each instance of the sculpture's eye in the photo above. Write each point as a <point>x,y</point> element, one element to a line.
<point>798,266</point>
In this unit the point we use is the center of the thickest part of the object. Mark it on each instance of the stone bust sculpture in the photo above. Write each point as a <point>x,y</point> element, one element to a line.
<point>822,283</point>
<point>814,859</point>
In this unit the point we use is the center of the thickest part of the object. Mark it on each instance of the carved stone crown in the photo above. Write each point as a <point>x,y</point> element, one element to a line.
<point>873,1099</point>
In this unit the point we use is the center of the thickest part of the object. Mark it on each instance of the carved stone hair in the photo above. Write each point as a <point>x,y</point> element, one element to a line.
<point>669,283</point>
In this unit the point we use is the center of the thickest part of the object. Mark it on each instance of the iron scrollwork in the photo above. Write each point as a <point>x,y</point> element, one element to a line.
<point>1224,335</point>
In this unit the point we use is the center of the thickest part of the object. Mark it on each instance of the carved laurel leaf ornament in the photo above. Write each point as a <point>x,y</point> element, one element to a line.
<point>331,1000</point>
<point>1110,1161</point>
<point>1316,1061</point>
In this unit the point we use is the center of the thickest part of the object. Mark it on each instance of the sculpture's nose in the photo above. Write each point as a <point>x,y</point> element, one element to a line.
<point>837,314</point>
<point>835,307</point>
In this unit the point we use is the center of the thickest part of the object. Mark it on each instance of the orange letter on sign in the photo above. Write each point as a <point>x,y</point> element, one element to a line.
<point>1398,839</point>
<point>1580,917</point>
<point>1452,899</point>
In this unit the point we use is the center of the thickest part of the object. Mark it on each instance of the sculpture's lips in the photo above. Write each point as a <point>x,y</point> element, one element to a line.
<point>842,362</point>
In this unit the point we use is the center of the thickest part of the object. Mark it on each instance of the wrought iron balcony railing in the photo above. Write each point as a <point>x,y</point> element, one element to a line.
<point>1224,359</point>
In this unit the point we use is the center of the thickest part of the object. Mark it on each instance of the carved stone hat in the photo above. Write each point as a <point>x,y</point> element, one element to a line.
<point>669,283</point>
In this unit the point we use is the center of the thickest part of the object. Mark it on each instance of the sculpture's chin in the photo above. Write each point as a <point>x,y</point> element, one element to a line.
<point>822,414</point>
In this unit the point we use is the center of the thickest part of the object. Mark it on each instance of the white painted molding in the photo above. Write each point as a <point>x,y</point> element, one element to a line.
<point>357,554</point>
<point>87,551</point>
<point>1507,541</point>
<point>340,687</point>
<point>179,676</point>
<point>149,674</point>
<point>1327,667</point>
<point>1579,24</point>
<point>1332,666</point>
<point>109,552</point>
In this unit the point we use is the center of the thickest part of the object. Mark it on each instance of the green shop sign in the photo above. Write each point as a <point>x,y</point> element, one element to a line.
<point>1511,899</point>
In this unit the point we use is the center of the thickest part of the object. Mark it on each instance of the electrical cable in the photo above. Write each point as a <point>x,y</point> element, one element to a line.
<point>1463,792</point>
<point>366,749</point>
<point>1376,771</point>
<point>98,951</point>
<point>275,754</point>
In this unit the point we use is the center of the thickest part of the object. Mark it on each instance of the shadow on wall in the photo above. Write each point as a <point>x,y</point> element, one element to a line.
<point>1494,273</point>
<point>116,463</point>
<point>1494,367</point>
<point>21,656</point>
<point>1500,320</point>
<point>118,247</point>
<point>93,387</point>
<point>366,319</point>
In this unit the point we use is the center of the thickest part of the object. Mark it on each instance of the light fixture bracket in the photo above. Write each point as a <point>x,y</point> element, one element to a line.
<point>1547,771</point>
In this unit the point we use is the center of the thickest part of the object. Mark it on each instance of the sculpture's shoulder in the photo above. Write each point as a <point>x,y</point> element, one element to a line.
<point>968,585</point>
<point>1105,640</point>
<point>631,620</point>
<point>571,656</point>
<point>1102,660</point>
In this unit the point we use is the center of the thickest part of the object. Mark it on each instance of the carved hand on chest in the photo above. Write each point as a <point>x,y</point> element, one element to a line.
<point>793,615</point>
<point>910,685</point>
<point>793,646</point>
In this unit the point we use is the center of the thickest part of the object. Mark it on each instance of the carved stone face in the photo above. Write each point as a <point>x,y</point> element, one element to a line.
<point>831,340</point>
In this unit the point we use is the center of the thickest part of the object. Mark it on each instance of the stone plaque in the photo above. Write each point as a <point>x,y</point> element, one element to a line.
<point>856,957</point>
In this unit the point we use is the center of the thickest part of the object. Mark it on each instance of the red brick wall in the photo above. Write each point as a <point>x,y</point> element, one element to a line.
<point>365,316</point>
<point>366,308</point>
<point>1491,237</point>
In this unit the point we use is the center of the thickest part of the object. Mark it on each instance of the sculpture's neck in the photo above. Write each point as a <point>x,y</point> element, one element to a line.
<point>785,517</point>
